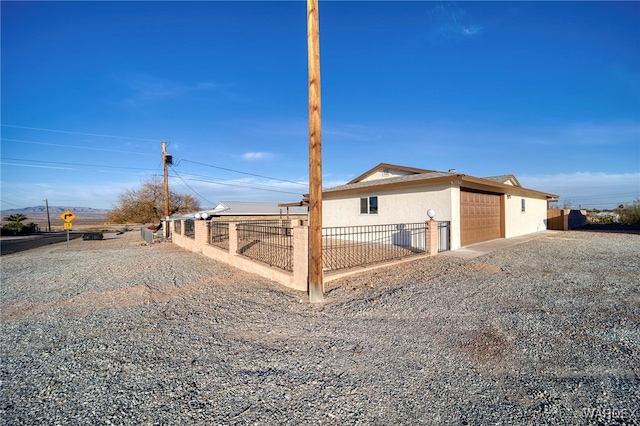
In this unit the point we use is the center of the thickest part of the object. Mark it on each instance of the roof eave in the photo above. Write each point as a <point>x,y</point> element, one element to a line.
<point>388,166</point>
<point>459,180</point>
<point>479,183</point>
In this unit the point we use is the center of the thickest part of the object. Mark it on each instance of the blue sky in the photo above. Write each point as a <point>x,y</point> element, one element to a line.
<point>547,91</point>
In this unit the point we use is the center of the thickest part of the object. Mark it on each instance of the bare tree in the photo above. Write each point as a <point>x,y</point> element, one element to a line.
<point>146,204</point>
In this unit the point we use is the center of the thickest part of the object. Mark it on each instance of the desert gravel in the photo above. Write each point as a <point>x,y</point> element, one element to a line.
<point>120,332</point>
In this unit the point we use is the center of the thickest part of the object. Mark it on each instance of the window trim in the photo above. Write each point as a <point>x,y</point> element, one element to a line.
<point>367,202</point>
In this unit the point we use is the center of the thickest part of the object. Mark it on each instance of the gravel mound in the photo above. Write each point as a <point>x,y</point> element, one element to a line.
<point>120,332</point>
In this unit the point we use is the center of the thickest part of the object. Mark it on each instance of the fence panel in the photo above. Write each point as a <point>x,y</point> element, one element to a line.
<point>218,234</point>
<point>269,244</point>
<point>189,228</point>
<point>444,236</point>
<point>351,246</point>
<point>177,228</point>
<point>147,235</point>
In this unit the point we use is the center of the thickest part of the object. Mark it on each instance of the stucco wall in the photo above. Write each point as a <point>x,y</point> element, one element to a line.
<point>400,206</point>
<point>454,228</point>
<point>385,174</point>
<point>532,220</point>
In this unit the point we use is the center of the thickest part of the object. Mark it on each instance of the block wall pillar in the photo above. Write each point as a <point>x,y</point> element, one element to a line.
<point>432,237</point>
<point>301,257</point>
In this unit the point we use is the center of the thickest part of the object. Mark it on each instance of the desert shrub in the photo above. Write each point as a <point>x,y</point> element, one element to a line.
<point>19,228</point>
<point>629,213</point>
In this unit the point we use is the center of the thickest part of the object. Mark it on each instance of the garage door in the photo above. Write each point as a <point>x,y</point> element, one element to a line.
<point>480,217</point>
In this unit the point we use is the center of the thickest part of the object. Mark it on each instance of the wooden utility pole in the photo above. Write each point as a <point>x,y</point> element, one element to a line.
<point>316,288</point>
<point>46,202</point>
<point>166,190</point>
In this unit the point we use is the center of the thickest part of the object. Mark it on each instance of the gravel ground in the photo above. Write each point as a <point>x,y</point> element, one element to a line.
<point>118,332</point>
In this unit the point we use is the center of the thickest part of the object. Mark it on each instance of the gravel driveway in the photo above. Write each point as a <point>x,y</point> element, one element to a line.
<point>118,332</point>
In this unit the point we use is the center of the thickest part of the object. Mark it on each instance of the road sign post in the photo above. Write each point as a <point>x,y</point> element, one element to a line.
<point>68,217</point>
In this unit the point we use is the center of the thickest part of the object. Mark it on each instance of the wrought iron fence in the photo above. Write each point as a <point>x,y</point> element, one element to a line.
<point>268,222</point>
<point>189,228</point>
<point>218,234</point>
<point>177,228</point>
<point>351,246</point>
<point>270,244</point>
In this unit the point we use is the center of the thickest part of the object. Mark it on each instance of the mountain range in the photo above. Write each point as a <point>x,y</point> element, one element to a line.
<point>40,212</point>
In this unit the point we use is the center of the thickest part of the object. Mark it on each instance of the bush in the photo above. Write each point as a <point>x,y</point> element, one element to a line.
<point>19,229</point>
<point>629,213</point>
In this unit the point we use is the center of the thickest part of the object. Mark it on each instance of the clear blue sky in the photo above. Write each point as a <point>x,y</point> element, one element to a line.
<point>547,91</point>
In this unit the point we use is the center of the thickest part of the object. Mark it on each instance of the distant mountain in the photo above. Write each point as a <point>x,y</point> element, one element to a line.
<point>40,212</point>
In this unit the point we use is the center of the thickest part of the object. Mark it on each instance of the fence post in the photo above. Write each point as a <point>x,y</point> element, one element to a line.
<point>201,234</point>
<point>300,257</point>
<point>432,237</point>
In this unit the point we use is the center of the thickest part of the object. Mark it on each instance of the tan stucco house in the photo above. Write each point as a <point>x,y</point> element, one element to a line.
<point>478,209</point>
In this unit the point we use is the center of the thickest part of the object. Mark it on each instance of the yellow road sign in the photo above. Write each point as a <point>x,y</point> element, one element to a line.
<point>68,225</point>
<point>67,216</point>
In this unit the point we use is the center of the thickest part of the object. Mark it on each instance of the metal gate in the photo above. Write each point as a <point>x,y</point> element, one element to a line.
<point>444,236</point>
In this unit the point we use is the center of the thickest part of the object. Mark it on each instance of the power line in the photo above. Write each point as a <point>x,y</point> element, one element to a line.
<point>216,180</point>
<point>78,133</point>
<point>72,164</point>
<point>11,204</point>
<point>208,180</point>
<point>240,172</point>
<point>76,147</point>
<point>36,166</point>
<point>244,186</point>
<point>192,190</point>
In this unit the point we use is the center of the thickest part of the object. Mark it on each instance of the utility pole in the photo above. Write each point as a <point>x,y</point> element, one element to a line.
<point>316,287</point>
<point>46,203</point>
<point>166,160</point>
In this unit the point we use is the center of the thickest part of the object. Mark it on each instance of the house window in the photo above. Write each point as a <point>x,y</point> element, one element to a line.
<point>522,208</point>
<point>369,205</point>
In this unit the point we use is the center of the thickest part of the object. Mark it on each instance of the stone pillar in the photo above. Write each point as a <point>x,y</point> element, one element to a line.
<point>301,257</point>
<point>201,234</point>
<point>432,237</point>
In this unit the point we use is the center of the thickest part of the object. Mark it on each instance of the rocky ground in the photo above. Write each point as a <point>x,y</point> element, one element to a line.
<point>120,332</point>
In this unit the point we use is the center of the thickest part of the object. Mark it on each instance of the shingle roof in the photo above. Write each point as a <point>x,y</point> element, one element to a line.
<point>492,183</point>
<point>381,166</point>
<point>502,179</point>
<point>391,180</point>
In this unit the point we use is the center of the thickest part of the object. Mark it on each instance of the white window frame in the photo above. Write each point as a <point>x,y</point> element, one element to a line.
<point>369,204</point>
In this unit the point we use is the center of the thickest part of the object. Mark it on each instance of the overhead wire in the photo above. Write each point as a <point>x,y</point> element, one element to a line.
<point>77,147</point>
<point>240,172</point>
<point>73,164</point>
<point>203,178</point>
<point>11,204</point>
<point>78,133</point>
<point>254,186</point>
<point>248,186</point>
<point>192,190</point>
